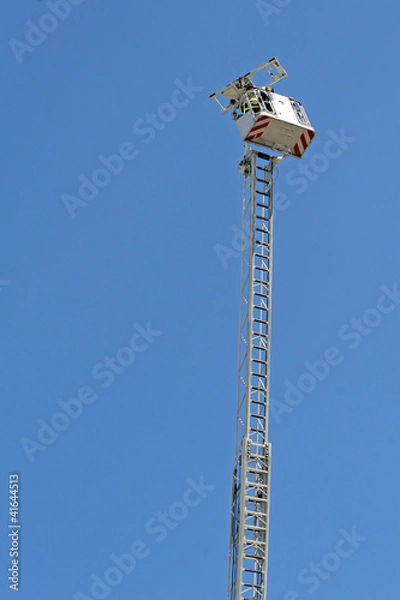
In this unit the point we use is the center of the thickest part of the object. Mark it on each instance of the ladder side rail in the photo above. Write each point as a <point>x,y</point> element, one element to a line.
<point>241,387</point>
<point>242,552</point>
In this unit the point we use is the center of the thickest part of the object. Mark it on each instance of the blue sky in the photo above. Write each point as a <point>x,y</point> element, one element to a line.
<point>131,275</point>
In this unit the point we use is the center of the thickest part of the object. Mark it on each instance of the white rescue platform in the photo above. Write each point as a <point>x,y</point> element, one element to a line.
<point>265,118</point>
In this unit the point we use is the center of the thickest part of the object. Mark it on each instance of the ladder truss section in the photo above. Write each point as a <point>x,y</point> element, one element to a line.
<point>248,550</point>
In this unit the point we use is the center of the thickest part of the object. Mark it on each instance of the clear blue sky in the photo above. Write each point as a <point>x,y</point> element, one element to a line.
<point>137,265</point>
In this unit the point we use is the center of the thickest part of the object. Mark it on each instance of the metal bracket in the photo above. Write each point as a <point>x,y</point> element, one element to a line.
<point>235,90</point>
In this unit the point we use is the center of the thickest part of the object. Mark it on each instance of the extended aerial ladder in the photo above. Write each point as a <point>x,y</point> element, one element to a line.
<point>279,124</point>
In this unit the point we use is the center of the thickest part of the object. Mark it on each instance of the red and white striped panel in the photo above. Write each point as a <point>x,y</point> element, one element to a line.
<point>305,141</point>
<point>258,128</point>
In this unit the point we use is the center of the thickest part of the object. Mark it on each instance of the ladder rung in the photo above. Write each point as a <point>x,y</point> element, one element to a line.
<point>254,513</point>
<point>263,156</point>
<point>262,218</point>
<point>252,571</point>
<point>259,500</point>
<point>260,281</point>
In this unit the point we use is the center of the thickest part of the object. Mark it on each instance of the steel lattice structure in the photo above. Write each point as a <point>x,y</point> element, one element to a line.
<point>248,551</point>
